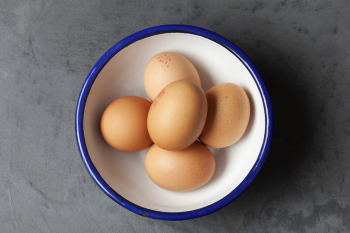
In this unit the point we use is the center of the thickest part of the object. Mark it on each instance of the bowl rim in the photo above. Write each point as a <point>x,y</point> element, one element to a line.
<point>173,28</point>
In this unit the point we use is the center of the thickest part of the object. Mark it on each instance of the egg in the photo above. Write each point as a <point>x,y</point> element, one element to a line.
<point>183,170</point>
<point>165,68</point>
<point>124,124</point>
<point>177,115</point>
<point>228,115</point>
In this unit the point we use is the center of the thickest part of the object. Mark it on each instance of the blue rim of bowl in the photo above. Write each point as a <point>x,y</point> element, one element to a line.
<point>151,32</point>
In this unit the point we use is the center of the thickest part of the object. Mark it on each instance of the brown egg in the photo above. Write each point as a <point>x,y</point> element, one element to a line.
<point>124,124</point>
<point>228,115</point>
<point>183,170</point>
<point>165,68</point>
<point>177,116</point>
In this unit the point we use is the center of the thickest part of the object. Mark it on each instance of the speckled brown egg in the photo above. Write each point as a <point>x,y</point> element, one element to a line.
<point>124,124</point>
<point>228,115</point>
<point>183,170</point>
<point>177,116</point>
<point>165,68</point>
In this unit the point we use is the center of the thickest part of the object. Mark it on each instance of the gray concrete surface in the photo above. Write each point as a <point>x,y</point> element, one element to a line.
<point>301,49</point>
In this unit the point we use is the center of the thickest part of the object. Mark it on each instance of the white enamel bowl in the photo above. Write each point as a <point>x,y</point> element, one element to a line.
<point>119,72</point>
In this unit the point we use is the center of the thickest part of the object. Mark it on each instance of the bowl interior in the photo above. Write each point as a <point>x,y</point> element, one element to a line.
<point>123,76</point>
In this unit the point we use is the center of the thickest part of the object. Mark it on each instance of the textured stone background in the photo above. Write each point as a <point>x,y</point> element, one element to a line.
<point>301,48</point>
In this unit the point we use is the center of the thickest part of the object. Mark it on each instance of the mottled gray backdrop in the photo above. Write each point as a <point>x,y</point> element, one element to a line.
<point>301,48</point>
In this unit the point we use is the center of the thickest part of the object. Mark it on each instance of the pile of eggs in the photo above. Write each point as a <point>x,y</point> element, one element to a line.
<point>179,123</point>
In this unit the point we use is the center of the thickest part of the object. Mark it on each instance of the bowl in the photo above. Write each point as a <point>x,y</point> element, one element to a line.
<point>119,72</point>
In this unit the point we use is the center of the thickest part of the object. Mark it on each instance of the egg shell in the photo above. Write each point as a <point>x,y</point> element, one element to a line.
<point>177,116</point>
<point>228,115</point>
<point>165,68</point>
<point>183,170</point>
<point>124,124</point>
